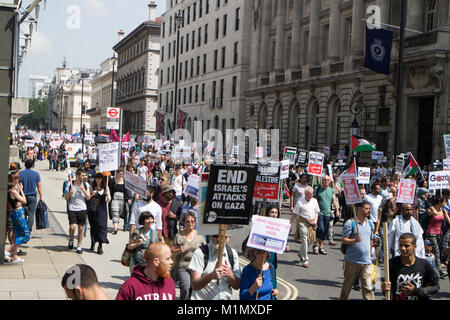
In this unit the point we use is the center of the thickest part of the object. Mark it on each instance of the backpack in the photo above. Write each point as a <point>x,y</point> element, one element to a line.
<point>205,250</point>
<point>424,222</point>
<point>345,246</point>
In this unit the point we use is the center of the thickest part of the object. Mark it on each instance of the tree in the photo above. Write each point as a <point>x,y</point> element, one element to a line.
<point>38,117</point>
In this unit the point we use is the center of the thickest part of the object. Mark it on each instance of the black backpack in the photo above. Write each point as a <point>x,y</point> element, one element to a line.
<point>205,250</point>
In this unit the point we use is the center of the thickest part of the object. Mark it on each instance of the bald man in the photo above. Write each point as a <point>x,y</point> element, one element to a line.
<point>151,281</point>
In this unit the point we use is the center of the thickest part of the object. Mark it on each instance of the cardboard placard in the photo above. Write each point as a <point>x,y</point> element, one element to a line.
<point>29,143</point>
<point>135,184</point>
<point>230,194</point>
<point>108,154</point>
<point>269,234</point>
<point>377,155</point>
<point>302,158</point>
<point>192,186</point>
<point>446,164</point>
<point>267,183</point>
<point>284,170</point>
<point>438,180</point>
<point>290,153</point>
<point>351,189</point>
<point>363,175</point>
<point>406,191</point>
<point>315,163</point>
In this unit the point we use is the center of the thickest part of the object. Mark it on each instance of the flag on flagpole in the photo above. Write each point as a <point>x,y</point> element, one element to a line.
<point>360,144</point>
<point>378,50</point>
<point>181,119</point>
<point>411,166</point>
<point>159,122</point>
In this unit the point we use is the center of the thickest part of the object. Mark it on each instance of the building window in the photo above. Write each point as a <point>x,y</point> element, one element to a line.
<point>187,42</point>
<point>225,23</point>
<point>217,28</point>
<point>193,40</point>
<point>236,53</point>
<point>215,60</point>
<point>234,90</point>
<point>203,92</point>
<point>207,7</point>
<point>431,15</point>
<point>199,37</point>
<point>184,96</point>
<point>204,62</point>
<point>192,68</point>
<point>238,19</point>
<point>198,65</point>
<point>223,57</point>
<point>206,33</point>
<point>190,94</point>
<point>200,8</point>
<point>196,93</point>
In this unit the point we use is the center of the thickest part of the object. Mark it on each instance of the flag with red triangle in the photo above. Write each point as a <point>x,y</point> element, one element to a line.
<point>411,166</point>
<point>360,144</point>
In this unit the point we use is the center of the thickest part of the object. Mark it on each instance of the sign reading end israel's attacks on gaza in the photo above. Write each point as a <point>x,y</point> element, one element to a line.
<point>230,194</point>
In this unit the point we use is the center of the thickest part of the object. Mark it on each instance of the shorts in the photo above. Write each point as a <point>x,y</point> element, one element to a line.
<point>77,217</point>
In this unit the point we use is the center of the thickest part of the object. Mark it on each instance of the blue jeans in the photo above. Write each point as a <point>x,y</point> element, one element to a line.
<point>126,221</point>
<point>31,210</point>
<point>323,224</point>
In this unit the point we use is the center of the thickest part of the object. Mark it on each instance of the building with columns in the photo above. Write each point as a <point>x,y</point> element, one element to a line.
<point>213,63</point>
<point>306,75</point>
<point>102,84</point>
<point>138,74</point>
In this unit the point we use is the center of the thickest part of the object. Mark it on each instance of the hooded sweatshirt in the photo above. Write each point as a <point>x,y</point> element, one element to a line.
<point>141,287</point>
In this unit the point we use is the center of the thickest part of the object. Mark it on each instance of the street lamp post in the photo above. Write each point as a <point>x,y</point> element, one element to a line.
<point>83,76</point>
<point>178,21</point>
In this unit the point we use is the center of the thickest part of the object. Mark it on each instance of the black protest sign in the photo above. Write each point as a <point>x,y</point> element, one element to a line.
<point>230,194</point>
<point>302,158</point>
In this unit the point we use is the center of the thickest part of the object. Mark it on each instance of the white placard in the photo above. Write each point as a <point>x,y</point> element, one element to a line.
<point>135,184</point>
<point>284,171</point>
<point>446,164</point>
<point>269,234</point>
<point>406,191</point>
<point>363,175</point>
<point>377,155</point>
<point>192,186</point>
<point>259,152</point>
<point>438,180</point>
<point>447,145</point>
<point>29,143</point>
<point>108,155</point>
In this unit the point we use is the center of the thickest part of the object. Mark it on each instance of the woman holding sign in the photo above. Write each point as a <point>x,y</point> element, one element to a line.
<point>256,278</point>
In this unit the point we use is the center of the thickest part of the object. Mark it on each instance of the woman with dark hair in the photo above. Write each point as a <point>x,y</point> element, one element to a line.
<point>434,230</point>
<point>141,239</point>
<point>184,245</point>
<point>119,197</point>
<point>273,211</point>
<point>98,213</point>
<point>21,235</point>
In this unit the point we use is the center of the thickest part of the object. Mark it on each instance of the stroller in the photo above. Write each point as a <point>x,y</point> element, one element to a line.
<point>62,164</point>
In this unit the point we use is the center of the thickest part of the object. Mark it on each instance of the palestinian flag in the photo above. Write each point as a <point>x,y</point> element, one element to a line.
<point>411,166</point>
<point>361,145</point>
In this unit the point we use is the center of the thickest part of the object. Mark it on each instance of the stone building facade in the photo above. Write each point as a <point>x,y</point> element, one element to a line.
<point>137,76</point>
<point>306,75</point>
<point>101,94</point>
<point>213,63</point>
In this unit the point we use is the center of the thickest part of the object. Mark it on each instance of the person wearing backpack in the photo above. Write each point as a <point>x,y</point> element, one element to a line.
<point>358,243</point>
<point>79,192</point>
<point>212,282</point>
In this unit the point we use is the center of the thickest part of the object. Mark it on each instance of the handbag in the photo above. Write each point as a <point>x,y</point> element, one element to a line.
<point>126,256</point>
<point>311,235</point>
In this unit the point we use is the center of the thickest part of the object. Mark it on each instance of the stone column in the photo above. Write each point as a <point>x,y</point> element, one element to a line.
<point>296,51</point>
<point>334,34</point>
<point>280,37</point>
<point>314,33</point>
<point>358,28</point>
<point>385,11</point>
<point>416,15</point>
<point>267,26</point>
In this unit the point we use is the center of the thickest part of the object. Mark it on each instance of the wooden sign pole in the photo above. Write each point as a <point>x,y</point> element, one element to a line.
<point>222,240</point>
<point>386,258</point>
<point>356,219</point>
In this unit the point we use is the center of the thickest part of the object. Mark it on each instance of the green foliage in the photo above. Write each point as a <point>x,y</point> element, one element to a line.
<point>38,117</point>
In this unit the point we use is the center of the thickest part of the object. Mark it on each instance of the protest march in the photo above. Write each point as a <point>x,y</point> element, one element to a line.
<point>169,200</point>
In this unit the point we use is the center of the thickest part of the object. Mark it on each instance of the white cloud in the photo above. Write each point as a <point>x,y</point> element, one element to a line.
<point>96,8</point>
<point>41,44</point>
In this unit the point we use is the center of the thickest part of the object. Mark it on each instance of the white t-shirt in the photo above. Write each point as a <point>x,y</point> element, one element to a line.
<point>300,192</point>
<point>144,206</point>
<point>307,209</point>
<point>213,291</point>
<point>177,183</point>
<point>142,172</point>
<point>78,201</point>
<point>375,202</point>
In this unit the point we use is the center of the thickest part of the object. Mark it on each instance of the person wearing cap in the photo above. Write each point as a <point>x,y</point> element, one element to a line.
<point>31,180</point>
<point>147,205</point>
<point>165,202</point>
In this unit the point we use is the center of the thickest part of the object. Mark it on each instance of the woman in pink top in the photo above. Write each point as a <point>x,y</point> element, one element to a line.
<point>434,230</point>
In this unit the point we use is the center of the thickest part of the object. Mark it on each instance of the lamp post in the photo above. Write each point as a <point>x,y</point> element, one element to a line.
<point>83,76</point>
<point>178,21</point>
<point>354,127</point>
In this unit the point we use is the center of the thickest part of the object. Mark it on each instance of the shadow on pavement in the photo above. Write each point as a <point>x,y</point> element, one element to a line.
<point>110,285</point>
<point>321,282</point>
<point>54,248</point>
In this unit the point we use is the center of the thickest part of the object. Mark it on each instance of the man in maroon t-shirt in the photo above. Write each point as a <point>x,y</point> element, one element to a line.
<point>152,281</point>
<point>165,202</point>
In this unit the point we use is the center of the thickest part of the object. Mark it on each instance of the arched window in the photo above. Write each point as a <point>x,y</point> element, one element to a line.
<point>262,120</point>
<point>314,125</point>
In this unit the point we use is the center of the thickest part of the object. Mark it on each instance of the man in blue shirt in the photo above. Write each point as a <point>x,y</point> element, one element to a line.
<point>31,180</point>
<point>357,260</point>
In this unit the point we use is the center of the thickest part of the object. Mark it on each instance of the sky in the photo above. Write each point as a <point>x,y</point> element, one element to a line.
<point>83,31</point>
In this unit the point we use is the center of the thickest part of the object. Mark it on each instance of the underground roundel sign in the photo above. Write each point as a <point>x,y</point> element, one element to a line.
<point>113,113</point>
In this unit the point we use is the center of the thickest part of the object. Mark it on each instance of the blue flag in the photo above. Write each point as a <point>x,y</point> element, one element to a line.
<point>378,50</point>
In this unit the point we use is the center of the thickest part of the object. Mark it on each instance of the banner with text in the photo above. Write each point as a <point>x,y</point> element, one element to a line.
<point>269,234</point>
<point>135,184</point>
<point>406,191</point>
<point>108,154</point>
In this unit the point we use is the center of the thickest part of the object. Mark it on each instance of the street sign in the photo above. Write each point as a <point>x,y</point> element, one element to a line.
<point>113,113</point>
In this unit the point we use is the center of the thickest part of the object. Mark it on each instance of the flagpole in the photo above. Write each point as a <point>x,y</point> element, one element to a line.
<point>399,102</point>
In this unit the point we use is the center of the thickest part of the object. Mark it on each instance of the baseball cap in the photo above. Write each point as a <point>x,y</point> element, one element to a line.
<point>167,188</point>
<point>428,243</point>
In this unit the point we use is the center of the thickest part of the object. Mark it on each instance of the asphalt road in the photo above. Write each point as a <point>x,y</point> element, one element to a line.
<point>321,281</point>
